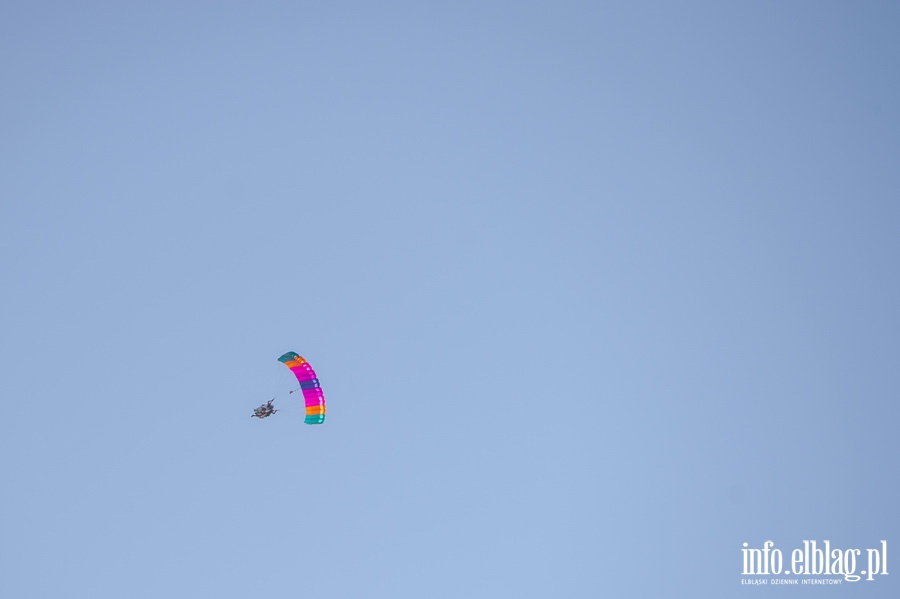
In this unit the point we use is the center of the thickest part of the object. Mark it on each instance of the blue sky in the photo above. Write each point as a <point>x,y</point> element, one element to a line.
<point>597,292</point>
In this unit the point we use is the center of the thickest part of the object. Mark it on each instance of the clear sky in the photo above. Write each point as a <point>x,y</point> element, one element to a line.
<point>597,293</point>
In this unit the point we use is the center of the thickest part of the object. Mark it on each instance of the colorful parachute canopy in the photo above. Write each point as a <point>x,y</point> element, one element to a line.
<point>309,384</point>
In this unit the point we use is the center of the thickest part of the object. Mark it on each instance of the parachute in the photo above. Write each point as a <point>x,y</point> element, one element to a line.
<point>309,385</point>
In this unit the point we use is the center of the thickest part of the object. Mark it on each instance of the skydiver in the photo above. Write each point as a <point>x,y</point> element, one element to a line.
<point>268,409</point>
<point>264,410</point>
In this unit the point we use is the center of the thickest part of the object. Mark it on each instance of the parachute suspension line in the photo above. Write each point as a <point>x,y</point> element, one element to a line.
<point>277,395</point>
